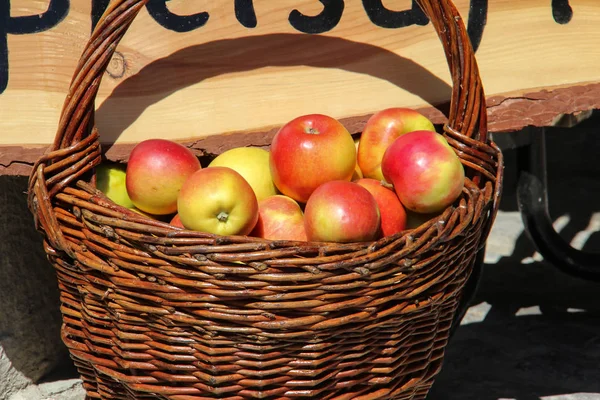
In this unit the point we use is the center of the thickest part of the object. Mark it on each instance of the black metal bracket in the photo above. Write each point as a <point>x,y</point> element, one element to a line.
<point>532,198</point>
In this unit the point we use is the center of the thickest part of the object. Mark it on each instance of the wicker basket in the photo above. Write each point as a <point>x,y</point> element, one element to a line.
<point>152,311</point>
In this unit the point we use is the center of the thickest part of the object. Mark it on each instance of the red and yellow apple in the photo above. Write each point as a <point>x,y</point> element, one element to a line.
<point>279,218</point>
<point>252,163</point>
<point>393,215</point>
<point>156,171</point>
<point>217,200</point>
<point>342,211</point>
<point>176,221</point>
<point>380,131</point>
<point>426,173</point>
<point>309,151</point>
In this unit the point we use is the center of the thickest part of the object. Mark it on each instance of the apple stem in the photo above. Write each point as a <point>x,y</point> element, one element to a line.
<point>223,216</point>
<point>387,185</point>
<point>312,131</point>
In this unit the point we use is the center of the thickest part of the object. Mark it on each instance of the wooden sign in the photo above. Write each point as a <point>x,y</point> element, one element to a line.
<point>201,71</point>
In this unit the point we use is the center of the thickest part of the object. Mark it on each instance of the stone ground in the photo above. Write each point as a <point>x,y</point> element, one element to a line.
<point>532,332</point>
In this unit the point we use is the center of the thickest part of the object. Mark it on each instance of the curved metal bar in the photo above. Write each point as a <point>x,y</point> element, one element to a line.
<point>532,198</point>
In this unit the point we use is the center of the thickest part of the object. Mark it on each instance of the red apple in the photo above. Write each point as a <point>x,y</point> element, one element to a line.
<point>342,211</point>
<point>380,131</point>
<point>218,200</point>
<point>426,172</point>
<point>309,151</point>
<point>156,171</point>
<point>393,215</point>
<point>280,218</point>
<point>176,221</point>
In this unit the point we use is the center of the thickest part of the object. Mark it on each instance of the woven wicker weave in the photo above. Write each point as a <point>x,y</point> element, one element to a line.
<point>152,311</point>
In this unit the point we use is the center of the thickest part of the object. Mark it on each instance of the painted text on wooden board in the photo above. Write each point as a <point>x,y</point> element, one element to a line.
<point>245,14</point>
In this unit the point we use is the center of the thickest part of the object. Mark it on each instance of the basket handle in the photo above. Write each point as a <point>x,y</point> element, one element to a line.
<point>467,115</point>
<point>468,110</point>
<point>76,148</point>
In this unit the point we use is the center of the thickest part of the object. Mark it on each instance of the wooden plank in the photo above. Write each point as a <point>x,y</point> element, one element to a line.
<point>227,78</point>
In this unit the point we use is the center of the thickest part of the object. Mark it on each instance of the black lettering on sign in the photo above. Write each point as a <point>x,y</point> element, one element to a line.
<point>4,17</point>
<point>562,11</point>
<point>325,21</point>
<point>385,18</point>
<point>178,23</point>
<point>244,12</point>
<point>56,12</point>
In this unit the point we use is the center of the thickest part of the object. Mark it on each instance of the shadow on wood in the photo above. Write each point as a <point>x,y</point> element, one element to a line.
<point>191,65</point>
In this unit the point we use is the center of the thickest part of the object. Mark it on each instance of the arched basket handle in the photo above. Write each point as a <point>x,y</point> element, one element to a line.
<point>76,147</point>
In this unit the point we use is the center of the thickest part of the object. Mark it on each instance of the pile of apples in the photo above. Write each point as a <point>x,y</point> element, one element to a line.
<point>316,183</point>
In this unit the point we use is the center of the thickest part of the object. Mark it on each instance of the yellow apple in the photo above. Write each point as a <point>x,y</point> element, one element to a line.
<point>357,171</point>
<point>110,180</point>
<point>217,200</point>
<point>252,163</point>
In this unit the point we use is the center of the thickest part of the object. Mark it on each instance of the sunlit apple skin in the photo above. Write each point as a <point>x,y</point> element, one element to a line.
<point>393,214</point>
<point>110,180</point>
<point>218,200</point>
<point>357,174</point>
<point>279,218</point>
<point>426,173</point>
<point>176,221</point>
<point>357,171</point>
<point>380,131</point>
<point>309,151</point>
<point>342,211</point>
<point>253,164</point>
<point>156,171</point>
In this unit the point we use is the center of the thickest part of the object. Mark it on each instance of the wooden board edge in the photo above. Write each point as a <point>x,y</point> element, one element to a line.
<point>505,114</point>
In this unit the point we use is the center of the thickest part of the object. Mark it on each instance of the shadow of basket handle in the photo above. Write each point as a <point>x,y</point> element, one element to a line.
<point>467,110</point>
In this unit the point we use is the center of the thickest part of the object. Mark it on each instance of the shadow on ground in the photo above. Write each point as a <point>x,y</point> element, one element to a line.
<point>541,335</point>
<point>30,316</point>
<point>531,343</point>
